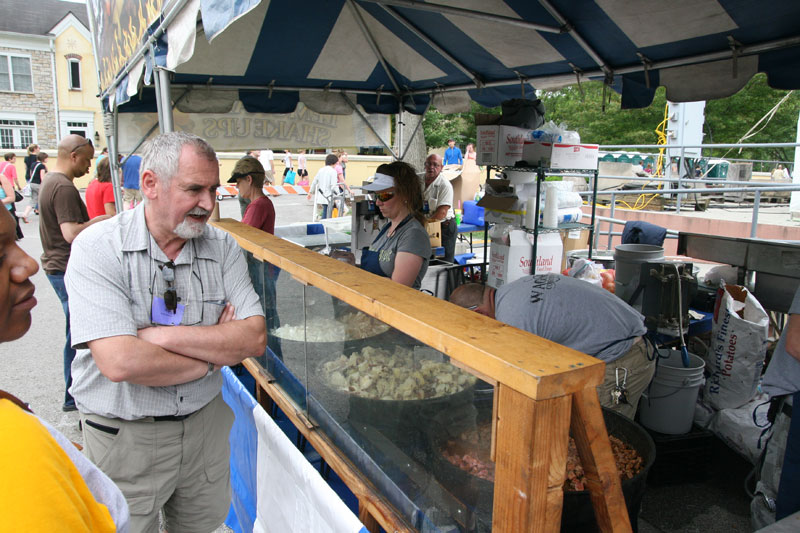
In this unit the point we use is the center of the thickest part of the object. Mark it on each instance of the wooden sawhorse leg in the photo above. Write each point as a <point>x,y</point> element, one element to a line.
<point>531,457</point>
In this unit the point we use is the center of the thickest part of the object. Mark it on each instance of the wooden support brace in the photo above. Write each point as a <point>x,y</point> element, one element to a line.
<point>532,440</point>
<point>602,480</point>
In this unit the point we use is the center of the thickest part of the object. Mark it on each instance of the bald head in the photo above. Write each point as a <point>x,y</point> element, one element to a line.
<point>75,155</point>
<point>433,167</point>
<point>73,143</point>
<point>468,295</point>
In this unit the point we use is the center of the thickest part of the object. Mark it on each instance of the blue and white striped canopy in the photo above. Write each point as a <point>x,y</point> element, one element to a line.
<point>384,54</point>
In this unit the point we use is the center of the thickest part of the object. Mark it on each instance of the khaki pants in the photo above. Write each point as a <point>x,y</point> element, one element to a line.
<point>131,198</point>
<point>180,466</point>
<point>640,373</point>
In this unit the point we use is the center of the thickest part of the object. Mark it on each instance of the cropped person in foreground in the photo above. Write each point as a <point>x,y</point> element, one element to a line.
<point>46,484</point>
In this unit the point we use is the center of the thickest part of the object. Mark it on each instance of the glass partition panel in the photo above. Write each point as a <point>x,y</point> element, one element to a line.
<point>417,426</point>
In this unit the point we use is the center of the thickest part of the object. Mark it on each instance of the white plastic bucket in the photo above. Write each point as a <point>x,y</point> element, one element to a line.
<point>667,406</point>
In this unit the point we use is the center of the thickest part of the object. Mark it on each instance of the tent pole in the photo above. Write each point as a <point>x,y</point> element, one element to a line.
<point>470,13</point>
<point>372,43</point>
<point>162,80</point>
<point>364,118</point>
<point>400,132</point>
<point>157,88</point>
<point>110,125</point>
<point>452,60</point>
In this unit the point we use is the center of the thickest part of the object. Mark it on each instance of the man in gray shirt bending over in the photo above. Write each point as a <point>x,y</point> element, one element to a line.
<point>160,301</point>
<point>578,315</point>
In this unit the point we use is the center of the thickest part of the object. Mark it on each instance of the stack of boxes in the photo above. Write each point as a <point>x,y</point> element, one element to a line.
<point>507,203</point>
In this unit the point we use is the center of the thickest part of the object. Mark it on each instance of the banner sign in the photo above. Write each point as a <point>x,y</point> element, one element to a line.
<point>120,27</point>
<point>239,130</point>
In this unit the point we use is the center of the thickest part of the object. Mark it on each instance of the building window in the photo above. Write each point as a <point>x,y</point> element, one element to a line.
<point>16,134</point>
<point>74,74</point>
<point>15,74</point>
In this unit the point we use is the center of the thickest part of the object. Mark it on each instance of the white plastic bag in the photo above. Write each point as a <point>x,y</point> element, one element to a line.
<point>738,346</point>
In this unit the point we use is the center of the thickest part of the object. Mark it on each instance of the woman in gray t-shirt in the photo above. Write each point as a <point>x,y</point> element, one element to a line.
<point>402,249</point>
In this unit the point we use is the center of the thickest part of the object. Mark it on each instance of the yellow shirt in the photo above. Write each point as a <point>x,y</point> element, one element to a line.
<point>40,487</point>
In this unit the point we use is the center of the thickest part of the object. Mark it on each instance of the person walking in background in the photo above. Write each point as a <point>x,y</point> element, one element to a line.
<point>37,173</point>
<point>147,378</point>
<point>452,156</point>
<point>471,154</point>
<point>131,195</point>
<point>30,160</point>
<point>7,198</point>
<point>10,170</point>
<point>46,483</point>
<point>302,172</point>
<point>343,162</point>
<point>339,168</point>
<point>100,192</point>
<point>63,216</point>
<point>324,186</point>
<point>103,155</point>
<point>266,158</point>
<point>287,163</point>
<point>8,177</point>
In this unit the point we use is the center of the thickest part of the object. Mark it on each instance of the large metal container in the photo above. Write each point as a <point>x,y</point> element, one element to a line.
<point>628,259</point>
<point>578,512</point>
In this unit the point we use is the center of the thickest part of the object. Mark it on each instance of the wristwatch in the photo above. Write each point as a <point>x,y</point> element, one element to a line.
<point>210,369</point>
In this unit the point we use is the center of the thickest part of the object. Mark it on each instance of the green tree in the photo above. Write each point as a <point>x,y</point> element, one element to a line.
<point>729,119</point>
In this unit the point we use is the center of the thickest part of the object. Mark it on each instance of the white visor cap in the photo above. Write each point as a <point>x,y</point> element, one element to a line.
<point>380,182</point>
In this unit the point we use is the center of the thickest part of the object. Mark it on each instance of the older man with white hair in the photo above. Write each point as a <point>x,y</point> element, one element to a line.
<point>159,302</point>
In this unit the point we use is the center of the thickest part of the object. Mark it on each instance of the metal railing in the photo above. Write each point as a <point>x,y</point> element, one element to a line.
<point>755,189</point>
<point>719,186</point>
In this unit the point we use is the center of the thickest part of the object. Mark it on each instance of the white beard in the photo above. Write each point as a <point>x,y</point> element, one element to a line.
<point>188,229</point>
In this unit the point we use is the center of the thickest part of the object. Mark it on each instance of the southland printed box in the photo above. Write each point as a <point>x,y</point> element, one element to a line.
<point>500,145</point>
<point>557,155</point>
<point>511,262</point>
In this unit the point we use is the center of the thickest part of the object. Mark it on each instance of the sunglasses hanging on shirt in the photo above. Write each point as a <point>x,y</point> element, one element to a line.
<point>170,294</point>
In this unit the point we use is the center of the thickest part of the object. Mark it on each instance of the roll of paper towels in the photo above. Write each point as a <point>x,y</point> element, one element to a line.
<point>530,212</point>
<point>550,217</point>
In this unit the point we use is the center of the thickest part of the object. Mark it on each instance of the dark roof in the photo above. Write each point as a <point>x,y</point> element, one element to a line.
<point>37,17</point>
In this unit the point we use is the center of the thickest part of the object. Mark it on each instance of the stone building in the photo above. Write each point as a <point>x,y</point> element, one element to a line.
<point>48,80</point>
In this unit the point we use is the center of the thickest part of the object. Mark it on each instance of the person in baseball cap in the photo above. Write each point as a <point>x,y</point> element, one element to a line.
<point>248,175</point>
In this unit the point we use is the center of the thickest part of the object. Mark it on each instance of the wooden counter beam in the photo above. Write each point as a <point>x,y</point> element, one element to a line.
<point>529,364</point>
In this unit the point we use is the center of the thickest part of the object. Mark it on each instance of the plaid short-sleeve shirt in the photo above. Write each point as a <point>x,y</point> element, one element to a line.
<point>112,279</point>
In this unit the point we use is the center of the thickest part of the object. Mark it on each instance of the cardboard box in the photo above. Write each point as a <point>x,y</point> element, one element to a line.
<point>500,145</point>
<point>573,239</point>
<point>556,155</point>
<point>434,230</point>
<point>506,209</point>
<point>511,262</point>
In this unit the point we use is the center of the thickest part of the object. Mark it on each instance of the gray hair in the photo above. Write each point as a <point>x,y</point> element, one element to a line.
<point>162,153</point>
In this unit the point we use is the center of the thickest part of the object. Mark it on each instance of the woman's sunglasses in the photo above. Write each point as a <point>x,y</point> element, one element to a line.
<point>384,196</point>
